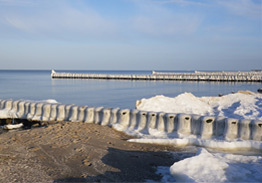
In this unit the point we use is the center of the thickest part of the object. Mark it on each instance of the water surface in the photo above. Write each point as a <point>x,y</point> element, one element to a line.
<point>38,85</point>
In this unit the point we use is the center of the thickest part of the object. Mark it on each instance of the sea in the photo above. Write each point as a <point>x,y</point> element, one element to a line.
<point>38,85</point>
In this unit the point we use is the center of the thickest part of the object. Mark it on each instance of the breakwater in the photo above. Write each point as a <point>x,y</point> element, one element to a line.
<point>173,125</point>
<point>196,76</point>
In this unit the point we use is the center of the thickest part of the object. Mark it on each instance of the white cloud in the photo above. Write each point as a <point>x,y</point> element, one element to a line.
<point>151,18</point>
<point>59,18</point>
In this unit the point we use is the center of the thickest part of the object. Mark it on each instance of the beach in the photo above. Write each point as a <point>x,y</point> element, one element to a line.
<point>70,143</point>
<point>79,152</point>
<point>130,91</point>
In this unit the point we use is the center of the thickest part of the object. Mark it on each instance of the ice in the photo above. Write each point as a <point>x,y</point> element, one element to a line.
<point>221,145</point>
<point>49,101</point>
<point>10,113</point>
<point>208,166</point>
<point>5,113</point>
<point>217,167</point>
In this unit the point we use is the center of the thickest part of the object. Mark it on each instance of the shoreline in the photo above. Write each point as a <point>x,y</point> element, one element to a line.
<point>79,152</point>
<point>137,121</point>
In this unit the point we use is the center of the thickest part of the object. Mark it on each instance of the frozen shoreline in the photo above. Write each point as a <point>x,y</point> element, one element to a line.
<point>239,167</point>
<point>157,125</point>
<point>208,166</point>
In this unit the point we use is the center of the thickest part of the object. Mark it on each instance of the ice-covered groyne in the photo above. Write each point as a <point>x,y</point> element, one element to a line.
<point>197,76</point>
<point>135,121</point>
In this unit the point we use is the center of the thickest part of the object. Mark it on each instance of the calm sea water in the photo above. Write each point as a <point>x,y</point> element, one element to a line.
<point>38,85</point>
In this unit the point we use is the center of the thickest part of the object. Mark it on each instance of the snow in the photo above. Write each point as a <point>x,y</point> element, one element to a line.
<point>6,113</point>
<point>218,167</point>
<point>205,165</point>
<point>241,105</point>
<point>49,101</point>
<point>245,146</point>
<point>13,126</point>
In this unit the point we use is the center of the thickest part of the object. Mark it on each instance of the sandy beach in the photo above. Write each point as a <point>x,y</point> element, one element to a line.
<point>78,152</point>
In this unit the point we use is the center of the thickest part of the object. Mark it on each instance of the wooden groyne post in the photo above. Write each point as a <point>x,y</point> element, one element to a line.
<point>196,76</point>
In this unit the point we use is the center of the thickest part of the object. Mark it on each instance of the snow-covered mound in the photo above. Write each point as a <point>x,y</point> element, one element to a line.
<point>241,105</point>
<point>218,167</point>
<point>206,166</point>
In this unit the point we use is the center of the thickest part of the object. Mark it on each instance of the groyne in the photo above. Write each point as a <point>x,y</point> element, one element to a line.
<point>196,76</point>
<point>173,125</point>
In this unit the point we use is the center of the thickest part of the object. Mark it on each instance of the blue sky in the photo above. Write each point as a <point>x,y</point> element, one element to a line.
<point>131,34</point>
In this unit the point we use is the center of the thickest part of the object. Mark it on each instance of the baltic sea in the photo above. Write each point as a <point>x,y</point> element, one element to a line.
<point>38,85</point>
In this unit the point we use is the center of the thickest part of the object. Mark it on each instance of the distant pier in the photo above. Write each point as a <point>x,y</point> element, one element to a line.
<point>196,76</point>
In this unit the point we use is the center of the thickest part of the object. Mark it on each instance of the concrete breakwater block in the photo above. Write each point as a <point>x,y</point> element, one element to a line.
<point>172,125</point>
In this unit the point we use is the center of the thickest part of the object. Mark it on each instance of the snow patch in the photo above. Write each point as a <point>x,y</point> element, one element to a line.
<point>207,166</point>
<point>241,105</point>
<point>218,167</point>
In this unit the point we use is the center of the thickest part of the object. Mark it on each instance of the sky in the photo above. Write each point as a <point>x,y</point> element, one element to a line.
<point>131,34</point>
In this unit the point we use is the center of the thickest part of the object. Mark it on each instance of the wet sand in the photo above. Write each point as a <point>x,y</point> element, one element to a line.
<point>78,152</point>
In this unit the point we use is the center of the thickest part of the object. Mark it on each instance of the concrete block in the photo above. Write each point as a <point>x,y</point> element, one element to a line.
<point>106,116</point>
<point>161,122</point>
<point>207,127</point>
<point>73,114</point>
<point>245,129</point>
<point>81,113</point>
<point>170,119</point>
<point>152,120</point>
<point>60,112</point>
<point>98,115</point>
<point>53,112</point>
<point>46,112</point>
<point>38,111</point>
<point>142,121</point>
<point>231,129</point>
<point>114,116</point>
<point>134,119</point>
<point>184,124</point>
<point>90,118</point>
<point>256,130</point>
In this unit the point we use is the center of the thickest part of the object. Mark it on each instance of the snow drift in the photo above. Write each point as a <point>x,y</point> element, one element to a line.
<point>241,105</point>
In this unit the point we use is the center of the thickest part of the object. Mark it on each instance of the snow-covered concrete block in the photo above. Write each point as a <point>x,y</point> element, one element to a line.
<point>133,119</point>
<point>152,120</point>
<point>90,117</point>
<point>207,127</point>
<point>142,121</point>
<point>256,130</point>
<point>231,129</point>
<point>170,120</point>
<point>184,124</point>
<point>60,112</point>
<point>106,116</point>
<point>161,122</point>
<point>245,129</point>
